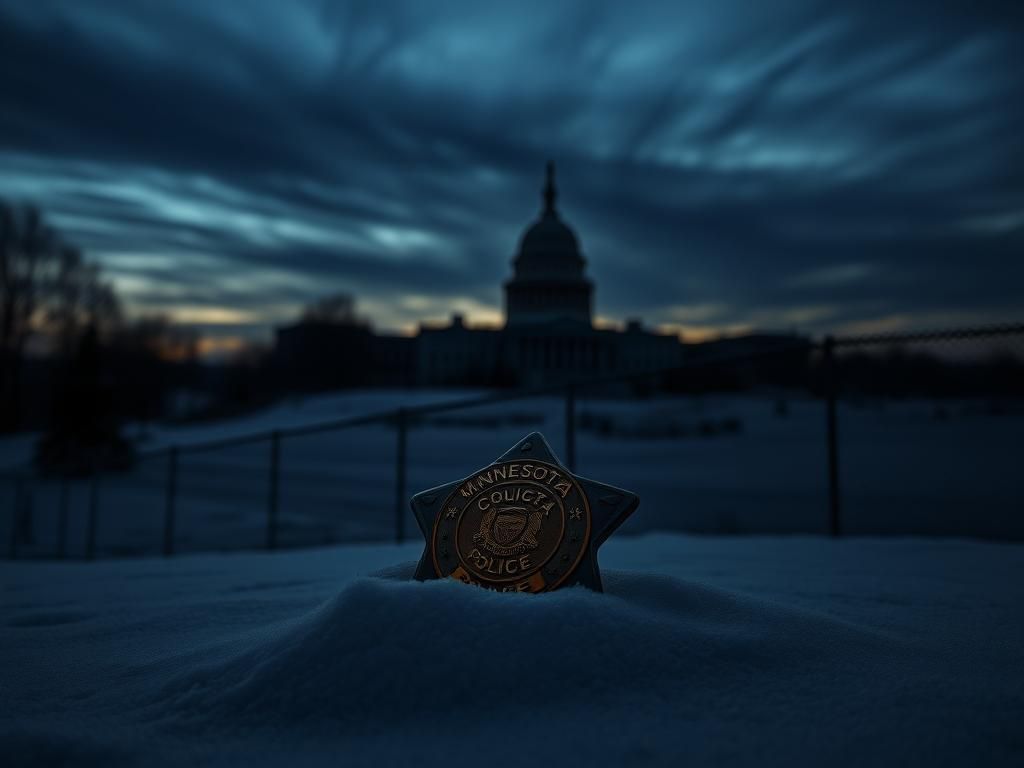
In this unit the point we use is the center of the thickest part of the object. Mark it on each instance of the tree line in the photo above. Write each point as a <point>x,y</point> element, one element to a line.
<point>72,364</point>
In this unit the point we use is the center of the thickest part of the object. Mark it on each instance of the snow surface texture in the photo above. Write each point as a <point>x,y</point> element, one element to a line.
<point>717,464</point>
<point>703,650</point>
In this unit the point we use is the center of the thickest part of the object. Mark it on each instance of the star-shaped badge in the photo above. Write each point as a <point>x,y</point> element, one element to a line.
<point>523,524</point>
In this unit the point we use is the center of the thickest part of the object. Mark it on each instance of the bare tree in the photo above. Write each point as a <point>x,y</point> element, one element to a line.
<point>156,337</point>
<point>28,254</point>
<point>45,287</point>
<point>339,309</point>
<point>79,299</point>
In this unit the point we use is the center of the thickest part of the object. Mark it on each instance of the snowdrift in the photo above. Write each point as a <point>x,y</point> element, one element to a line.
<point>292,667</point>
<point>402,651</point>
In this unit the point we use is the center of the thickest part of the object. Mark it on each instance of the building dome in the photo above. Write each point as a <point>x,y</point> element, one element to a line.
<point>548,281</point>
<point>549,249</point>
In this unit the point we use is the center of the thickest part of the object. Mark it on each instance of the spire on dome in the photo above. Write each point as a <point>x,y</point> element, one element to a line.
<point>550,193</point>
<point>548,282</point>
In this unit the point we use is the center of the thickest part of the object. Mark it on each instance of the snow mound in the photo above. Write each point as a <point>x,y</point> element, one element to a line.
<point>395,651</point>
<point>703,651</point>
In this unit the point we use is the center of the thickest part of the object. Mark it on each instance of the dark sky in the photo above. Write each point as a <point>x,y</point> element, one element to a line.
<point>728,164</point>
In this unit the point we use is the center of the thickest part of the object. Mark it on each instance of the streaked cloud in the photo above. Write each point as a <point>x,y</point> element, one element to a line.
<point>732,165</point>
<point>838,274</point>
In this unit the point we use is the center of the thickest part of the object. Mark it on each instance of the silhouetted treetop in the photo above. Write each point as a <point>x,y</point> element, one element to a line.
<point>337,309</point>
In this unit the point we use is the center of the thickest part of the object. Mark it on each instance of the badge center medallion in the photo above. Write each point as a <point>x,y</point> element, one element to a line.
<point>508,522</point>
<point>509,530</point>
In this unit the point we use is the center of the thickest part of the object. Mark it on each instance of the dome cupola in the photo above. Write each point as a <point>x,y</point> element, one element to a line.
<point>548,281</point>
<point>549,247</point>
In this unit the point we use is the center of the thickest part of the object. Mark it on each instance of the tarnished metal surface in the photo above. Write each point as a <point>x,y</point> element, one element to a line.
<point>522,524</point>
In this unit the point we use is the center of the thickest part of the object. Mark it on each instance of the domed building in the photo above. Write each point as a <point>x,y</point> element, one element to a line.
<point>548,283</point>
<point>549,336</point>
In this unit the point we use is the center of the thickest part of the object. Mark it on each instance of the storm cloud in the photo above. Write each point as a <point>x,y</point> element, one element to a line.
<point>727,165</point>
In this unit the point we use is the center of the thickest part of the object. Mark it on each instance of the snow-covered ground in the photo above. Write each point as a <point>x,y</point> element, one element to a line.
<point>711,464</point>
<point>704,650</point>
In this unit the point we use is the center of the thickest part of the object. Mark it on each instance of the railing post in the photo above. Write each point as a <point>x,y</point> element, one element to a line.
<point>15,517</point>
<point>570,426</point>
<point>831,434</point>
<point>171,498</point>
<point>62,517</point>
<point>94,503</point>
<point>28,534</point>
<point>402,426</point>
<point>272,488</point>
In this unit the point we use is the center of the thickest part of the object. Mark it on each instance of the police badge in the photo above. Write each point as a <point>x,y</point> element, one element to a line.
<point>523,524</point>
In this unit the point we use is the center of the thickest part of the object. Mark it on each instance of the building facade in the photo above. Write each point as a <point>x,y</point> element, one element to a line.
<point>549,334</point>
<point>548,338</point>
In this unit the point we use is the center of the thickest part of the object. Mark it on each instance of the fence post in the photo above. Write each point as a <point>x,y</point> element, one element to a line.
<point>169,506</point>
<point>15,518</point>
<point>272,488</point>
<point>570,426</point>
<point>401,424</point>
<point>831,434</point>
<point>94,503</point>
<point>28,533</point>
<point>62,517</point>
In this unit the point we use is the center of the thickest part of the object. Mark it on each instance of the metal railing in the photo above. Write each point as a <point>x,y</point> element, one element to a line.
<point>403,417</point>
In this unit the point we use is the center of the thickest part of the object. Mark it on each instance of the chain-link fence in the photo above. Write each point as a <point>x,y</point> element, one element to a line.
<point>862,435</point>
